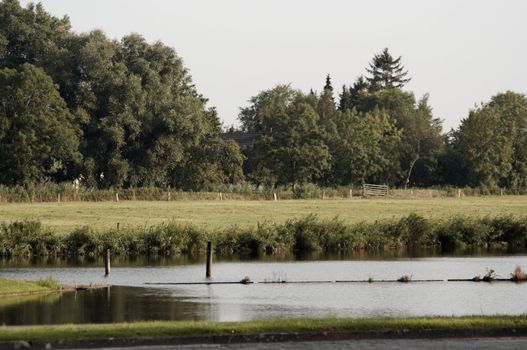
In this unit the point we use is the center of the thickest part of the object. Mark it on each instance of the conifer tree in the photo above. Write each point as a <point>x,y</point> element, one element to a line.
<point>386,72</point>
<point>326,105</point>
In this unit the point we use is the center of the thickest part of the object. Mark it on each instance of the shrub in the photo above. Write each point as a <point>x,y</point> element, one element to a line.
<point>82,242</point>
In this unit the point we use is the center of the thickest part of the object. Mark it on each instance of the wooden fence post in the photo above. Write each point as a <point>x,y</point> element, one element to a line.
<point>209,259</point>
<point>351,193</point>
<point>116,197</point>
<point>107,268</point>
<point>58,198</point>
<point>274,195</point>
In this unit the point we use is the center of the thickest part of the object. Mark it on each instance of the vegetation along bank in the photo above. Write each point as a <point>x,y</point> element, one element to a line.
<point>308,234</point>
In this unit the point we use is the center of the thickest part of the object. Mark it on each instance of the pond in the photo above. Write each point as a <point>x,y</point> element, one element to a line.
<point>130,299</point>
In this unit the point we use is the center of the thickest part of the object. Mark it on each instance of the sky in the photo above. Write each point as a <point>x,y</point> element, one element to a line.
<point>459,52</point>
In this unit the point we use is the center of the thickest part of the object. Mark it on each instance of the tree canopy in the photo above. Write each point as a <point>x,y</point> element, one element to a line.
<point>125,113</point>
<point>138,119</point>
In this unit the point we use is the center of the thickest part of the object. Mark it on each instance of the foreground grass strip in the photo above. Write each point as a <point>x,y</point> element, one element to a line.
<point>193,328</point>
<point>18,287</point>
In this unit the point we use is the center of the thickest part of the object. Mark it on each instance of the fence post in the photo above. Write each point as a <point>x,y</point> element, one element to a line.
<point>107,267</point>
<point>116,197</point>
<point>351,193</point>
<point>58,198</point>
<point>458,193</point>
<point>209,259</point>
<point>274,195</point>
<point>168,197</point>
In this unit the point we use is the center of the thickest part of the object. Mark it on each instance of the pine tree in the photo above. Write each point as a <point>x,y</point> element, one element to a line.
<point>386,72</point>
<point>326,105</point>
<point>345,99</point>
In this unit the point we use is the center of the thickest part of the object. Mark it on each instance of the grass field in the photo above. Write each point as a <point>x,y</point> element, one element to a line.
<point>196,328</point>
<point>18,287</point>
<point>62,217</point>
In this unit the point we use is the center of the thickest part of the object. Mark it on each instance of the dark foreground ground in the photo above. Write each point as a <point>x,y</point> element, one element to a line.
<point>371,344</point>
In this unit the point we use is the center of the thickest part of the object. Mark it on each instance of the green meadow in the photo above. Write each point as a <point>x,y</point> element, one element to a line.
<point>216,214</point>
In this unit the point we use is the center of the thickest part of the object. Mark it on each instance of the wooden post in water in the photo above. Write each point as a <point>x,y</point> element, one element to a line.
<point>209,259</point>
<point>107,268</point>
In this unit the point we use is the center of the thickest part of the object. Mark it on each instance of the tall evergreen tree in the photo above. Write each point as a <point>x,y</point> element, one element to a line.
<point>386,72</point>
<point>353,97</point>
<point>326,105</point>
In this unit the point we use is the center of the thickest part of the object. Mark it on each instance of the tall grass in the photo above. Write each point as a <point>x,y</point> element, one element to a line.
<point>308,234</point>
<point>52,192</point>
<point>49,282</point>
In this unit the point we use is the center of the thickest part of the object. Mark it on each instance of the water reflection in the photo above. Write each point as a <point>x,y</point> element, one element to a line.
<point>389,254</point>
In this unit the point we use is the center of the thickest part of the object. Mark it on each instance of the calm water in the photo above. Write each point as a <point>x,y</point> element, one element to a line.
<point>130,299</point>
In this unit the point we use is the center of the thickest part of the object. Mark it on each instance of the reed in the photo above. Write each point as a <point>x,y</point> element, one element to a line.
<point>28,238</point>
<point>519,275</point>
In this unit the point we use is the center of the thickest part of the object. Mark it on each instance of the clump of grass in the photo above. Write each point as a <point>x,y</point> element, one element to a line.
<point>49,282</point>
<point>370,279</point>
<point>488,277</point>
<point>405,279</point>
<point>519,274</point>
<point>246,280</point>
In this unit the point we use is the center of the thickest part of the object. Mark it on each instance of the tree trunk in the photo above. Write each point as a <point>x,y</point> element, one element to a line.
<point>410,171</point>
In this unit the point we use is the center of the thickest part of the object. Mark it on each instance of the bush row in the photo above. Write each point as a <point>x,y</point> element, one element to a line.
<point>29,238</point>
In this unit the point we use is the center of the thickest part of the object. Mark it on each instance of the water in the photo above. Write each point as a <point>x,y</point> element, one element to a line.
<point>129,299</point>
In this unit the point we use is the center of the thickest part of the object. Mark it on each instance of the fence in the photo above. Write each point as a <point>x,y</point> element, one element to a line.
<point>374,190</point>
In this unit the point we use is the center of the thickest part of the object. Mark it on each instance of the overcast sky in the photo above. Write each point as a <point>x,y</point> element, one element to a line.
<point>460,52</point>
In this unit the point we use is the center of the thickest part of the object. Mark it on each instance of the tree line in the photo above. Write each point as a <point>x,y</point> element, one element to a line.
<point>377,132</point>
<point>116,113</point>
<point>125,113</point>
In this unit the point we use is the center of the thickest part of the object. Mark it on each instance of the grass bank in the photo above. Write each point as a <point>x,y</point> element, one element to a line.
<point>9,287</point>
<point>195,328</point>
<point>304,235</point>
<point>216,214</point>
